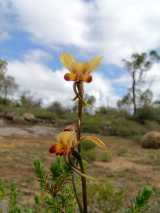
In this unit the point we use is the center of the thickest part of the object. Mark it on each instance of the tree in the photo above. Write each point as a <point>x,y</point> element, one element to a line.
<point>3,68</point>
<point>29,101</point>
<point>146,98</point>
<point>125,102</point>
<point>90,99</point>
<point>136,67</point>
<point>7,82</point>
<point>9,86</point>
<point>57,108</point>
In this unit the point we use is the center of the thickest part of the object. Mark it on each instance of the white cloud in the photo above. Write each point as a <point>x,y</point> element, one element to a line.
<point>114,28</point>
<point>37,55</point>
<point>53,22</point>
<point>153,78</point>
<point>122,27</point>
<point>151,81</point>
<point>50,86</point>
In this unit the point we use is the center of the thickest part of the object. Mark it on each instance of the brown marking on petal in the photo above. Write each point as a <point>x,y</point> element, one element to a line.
<point>70,77</point>
<point>87,78</point>
<point>66,77</point>
<point>52,149</point>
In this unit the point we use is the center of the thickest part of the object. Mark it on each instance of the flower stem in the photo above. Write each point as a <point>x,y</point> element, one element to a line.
<point>76,195</point>
<point>79,113</point>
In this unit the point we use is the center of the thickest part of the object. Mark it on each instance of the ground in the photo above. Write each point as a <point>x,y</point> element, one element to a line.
<point>129,166</point>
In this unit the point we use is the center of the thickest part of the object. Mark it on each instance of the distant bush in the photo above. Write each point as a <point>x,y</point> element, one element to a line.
<point>104,156</point>
<point>114,122</point>
<point>87,145</point>
<point>105,198</point>
<point>125,128</point>
<point>89,155</point>
<point>92,124</point>
<point>44,114</point>
<point>145,113</point>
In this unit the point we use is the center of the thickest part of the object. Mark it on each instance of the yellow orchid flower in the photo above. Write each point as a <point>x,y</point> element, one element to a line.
<point>79,71</point>
<point>67,141</point>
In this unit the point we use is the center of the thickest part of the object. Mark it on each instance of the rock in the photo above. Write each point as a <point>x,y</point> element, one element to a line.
<point>10,116</point>
<point>19,120</point>
<point>2,122</point>
<point>2,114</point>
<point>151,140</point>
<point>28,116</point>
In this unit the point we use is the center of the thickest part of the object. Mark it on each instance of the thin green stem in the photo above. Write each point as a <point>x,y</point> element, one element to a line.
<point>76,195</point>
<point>79,113</point>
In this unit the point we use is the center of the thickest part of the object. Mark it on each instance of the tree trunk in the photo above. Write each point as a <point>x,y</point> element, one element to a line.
<point>5,93</point>
<point>134,93</point>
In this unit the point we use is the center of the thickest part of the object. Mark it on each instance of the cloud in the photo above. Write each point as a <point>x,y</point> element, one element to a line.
<point>114,28</point>
<point>37,55</point>
<point>53,22</point>
<point>152,80</point>
<point>123,27</point>
<point>49,85</point>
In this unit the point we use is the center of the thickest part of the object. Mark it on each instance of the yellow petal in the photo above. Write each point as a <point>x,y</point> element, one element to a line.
<point>70,77</point>
<point>58,149</point>
<point>86,77</point>
<point>67,60</point>
<point>80,67</point>
<point>94,63</point>
<point>94,140</point>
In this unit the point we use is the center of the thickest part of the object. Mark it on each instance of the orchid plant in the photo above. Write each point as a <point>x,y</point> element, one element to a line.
<point>68,142</point>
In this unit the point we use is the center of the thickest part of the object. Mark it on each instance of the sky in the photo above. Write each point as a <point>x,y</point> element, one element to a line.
<point>34,33</point>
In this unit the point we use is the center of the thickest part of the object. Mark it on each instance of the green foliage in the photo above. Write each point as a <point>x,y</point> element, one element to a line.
<point>126,128</point>
<point>139,204</point>
<point>90,155</point>
<point>44,114</point>
<point>57,191</point>
<point>59,167</point>
<point>40,172</point>
<point>145,113</point>
<point>87,145</point>
<point>105,198</point>
<point>2,190</point>
<point>57,108</point>
<point>13,206</point>
<point>104,156</point>
<point>92,124</point>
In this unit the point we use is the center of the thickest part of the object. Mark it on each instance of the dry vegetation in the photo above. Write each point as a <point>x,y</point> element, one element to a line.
<point>126,164</point>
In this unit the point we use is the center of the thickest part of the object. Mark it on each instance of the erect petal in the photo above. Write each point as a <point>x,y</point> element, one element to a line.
<point>67,60</point>
<point>70,77</point>
<point>94,140</point>
<point>80,67</point>
<point>67,138</point>
<point>93,63</point>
